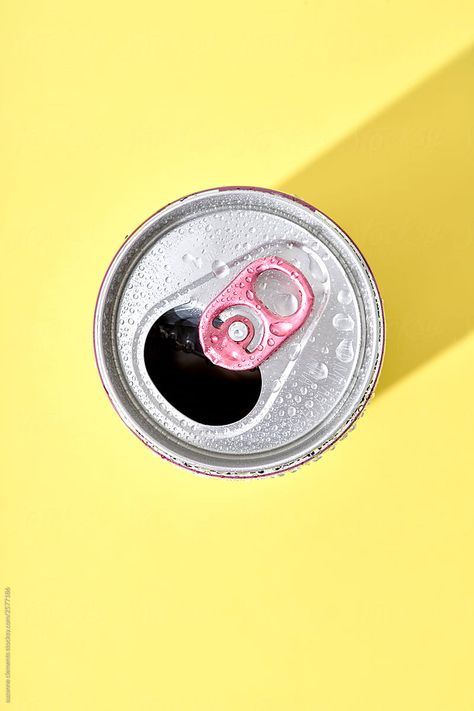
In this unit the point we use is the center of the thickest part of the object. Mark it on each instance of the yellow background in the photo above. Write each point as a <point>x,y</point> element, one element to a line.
<point>346,586</point>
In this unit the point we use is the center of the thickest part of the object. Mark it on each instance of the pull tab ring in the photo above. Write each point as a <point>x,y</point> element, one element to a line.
<point>225,342</point>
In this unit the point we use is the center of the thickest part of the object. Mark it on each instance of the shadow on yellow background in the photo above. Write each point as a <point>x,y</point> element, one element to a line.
<point>402,188</point>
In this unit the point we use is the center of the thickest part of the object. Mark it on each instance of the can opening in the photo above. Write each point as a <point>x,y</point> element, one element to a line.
<point>200,390</point>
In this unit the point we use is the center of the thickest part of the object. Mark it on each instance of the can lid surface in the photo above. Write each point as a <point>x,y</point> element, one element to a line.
<point>302,397</point>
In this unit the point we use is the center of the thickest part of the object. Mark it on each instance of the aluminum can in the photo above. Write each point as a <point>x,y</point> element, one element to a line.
<point>239,332</point>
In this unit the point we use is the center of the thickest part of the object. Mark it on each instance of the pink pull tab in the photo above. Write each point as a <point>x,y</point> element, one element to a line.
<point>225,343</point>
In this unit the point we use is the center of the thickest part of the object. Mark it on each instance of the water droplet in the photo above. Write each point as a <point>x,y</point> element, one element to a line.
<point>309,403</point>
<point>271,342</point>
<point>345,351</point>
<point>220,269</point>
<point>191,259</point>
<point>214,339</point>
<point>294,352</point>
<point>284,304</point>
<point>249,294</point>
<point>320,371</point>
<point>303,390</point>
<point>344,297</point>
<point>343,322</point>
<point>291,411</point>
<point>316,269</point>
<point>281,328</point>
<point>276,386</point>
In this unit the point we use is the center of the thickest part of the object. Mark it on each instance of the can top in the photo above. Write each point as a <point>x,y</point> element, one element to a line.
<point>310,389</point>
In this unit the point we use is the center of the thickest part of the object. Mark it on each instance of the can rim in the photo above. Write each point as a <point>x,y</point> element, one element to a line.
<point>367,396</point>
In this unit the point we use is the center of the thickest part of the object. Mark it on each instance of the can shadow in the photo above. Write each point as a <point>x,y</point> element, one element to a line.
<point>402,187</point>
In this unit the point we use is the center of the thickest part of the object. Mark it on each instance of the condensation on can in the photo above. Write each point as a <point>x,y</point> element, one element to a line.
<point>302,398</point>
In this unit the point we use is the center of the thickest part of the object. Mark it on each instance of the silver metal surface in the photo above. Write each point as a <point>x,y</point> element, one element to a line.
<point>313,387</point>
<point>238,331</point>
